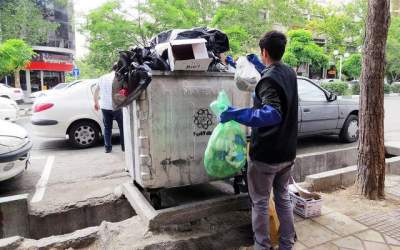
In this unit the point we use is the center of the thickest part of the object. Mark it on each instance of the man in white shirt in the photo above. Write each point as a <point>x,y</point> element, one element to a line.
<point>104,90</point>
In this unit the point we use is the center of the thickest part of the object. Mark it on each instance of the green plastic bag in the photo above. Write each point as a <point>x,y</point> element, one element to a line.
<point>226,150</point>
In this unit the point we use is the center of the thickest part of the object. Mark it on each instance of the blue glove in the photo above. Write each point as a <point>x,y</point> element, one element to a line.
<point>257,63</point>
<point>256,118</point>
<point>229,60</point>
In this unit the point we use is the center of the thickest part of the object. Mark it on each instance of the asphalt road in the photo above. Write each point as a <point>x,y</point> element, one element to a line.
<point>60,176</point>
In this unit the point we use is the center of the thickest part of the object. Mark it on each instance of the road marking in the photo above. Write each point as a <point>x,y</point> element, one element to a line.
<point>44,178</point>
<point>38,157</point>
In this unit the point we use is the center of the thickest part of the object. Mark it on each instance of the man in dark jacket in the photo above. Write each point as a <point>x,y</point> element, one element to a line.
<point>273,141</point>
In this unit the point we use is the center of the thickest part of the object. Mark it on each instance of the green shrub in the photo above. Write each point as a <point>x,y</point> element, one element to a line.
<point>386,89</point>
<point>355,89</point>
<point>395,88</point>
<point>338,88</point>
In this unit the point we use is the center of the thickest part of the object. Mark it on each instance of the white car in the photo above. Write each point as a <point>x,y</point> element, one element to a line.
<point>8,109</point>
<point>14,150</point>
<point>69,114</point>
<point>9,92</point>
<point>41,93</point>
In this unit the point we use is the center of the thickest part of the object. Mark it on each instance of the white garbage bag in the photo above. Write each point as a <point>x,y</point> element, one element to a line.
<point>246,75</point>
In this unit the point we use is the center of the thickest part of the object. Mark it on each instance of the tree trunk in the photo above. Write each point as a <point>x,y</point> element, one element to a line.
<point>17,79</point>
<point>371,148</point>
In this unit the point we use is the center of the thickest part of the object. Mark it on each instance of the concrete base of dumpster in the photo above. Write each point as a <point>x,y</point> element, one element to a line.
<point>181,215</point>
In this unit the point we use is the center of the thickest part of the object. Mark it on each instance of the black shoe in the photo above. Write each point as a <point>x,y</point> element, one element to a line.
<point>107,150</point>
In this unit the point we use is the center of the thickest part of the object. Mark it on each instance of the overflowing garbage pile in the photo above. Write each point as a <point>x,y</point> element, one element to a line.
<point>198,49</point>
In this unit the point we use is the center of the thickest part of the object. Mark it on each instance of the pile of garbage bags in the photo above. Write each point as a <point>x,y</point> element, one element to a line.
<point>225,154</point>
<point>133,69</point>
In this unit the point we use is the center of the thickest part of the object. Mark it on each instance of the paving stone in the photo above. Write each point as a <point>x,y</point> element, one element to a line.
<point>369,245</point>
<point>340,223</point>
<point>350,242</point>
<point>326,210</point>
<point>387,223</point>
<point>327,246</point>
<point>312,234</point>
<point>297,218</point>
<point>392,241</point>
<point>299,246</point>
<point>371,235</point>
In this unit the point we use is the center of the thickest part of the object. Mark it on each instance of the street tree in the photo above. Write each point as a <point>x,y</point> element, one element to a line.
<point>15,54</point>
<point>23,19</point>
<point>392,50</point>
<point>108,30</point>
<point>302,49</point>
<point>371,149</point>
<point>341,25</point>
<point>352,66</point>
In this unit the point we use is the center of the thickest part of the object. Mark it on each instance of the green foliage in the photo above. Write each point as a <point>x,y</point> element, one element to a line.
<point>108,32</point>
<point>338,88</point>
<point>22,19</point>
<point>15,54</point>
<point>352,66</point>
<point>342,25</point>
<point>355,89</point>
<point>302,49</point>
<point>392,50</point>
<point>395,88</point>
<point>387,89</point>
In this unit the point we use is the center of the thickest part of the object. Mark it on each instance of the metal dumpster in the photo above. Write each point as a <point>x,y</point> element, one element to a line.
<point>168,127</point>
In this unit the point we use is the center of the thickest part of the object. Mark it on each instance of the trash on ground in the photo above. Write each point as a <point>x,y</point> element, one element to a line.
<point>305,203</point>
<point>225,154</point>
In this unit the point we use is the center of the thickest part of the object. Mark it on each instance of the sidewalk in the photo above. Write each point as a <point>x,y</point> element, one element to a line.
<point>367,224</point>
<point>334,231</point>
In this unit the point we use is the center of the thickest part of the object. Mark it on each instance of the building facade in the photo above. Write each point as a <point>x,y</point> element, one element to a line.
<point>54,57</point>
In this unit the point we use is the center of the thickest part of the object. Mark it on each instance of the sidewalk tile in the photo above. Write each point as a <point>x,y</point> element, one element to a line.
<point>375,246</point>
<point>340,223</point>
<point>299,246</point>
<point>350,242</point>
<point>313,234</point>
<point>394,247</point>
<point>392,241</point>
<point>327,246</point>
<point>371,235</point>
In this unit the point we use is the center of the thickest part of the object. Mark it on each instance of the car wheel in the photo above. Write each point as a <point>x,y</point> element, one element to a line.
<point>350,130</point>
<point>84,134</point>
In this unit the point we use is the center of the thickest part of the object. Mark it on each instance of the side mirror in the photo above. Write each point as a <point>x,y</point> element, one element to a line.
<point>332,97</point>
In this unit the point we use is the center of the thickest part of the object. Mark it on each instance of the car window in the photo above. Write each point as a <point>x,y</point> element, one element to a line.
<point>309,92</point>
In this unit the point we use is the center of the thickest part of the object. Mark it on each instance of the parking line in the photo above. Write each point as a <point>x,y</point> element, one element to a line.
<point>44,178</point>
<point>38,157</point>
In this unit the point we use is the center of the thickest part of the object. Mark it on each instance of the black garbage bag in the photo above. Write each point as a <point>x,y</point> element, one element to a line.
<point>134,74</point>
<point>125,91</point>
<point>217,41</point>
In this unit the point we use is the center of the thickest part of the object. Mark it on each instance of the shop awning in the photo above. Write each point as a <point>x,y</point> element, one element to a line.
<point>48,66</point>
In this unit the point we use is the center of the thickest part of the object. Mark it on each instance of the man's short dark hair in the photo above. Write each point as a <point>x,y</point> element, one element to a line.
<point>274,42</point>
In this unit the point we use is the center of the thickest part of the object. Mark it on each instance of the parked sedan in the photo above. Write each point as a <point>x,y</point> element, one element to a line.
<point>9,92</point>
<point>322,112</point>
<point>14,150</point>
<point>41,93</point>
<point>69,113</point>
<point>8,109</point>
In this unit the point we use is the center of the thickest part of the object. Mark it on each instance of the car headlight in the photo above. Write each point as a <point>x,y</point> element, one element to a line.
<point>11,143</point>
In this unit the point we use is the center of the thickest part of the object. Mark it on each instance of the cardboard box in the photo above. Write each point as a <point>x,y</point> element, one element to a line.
<point>189,55</point>
<point>306,208</point>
